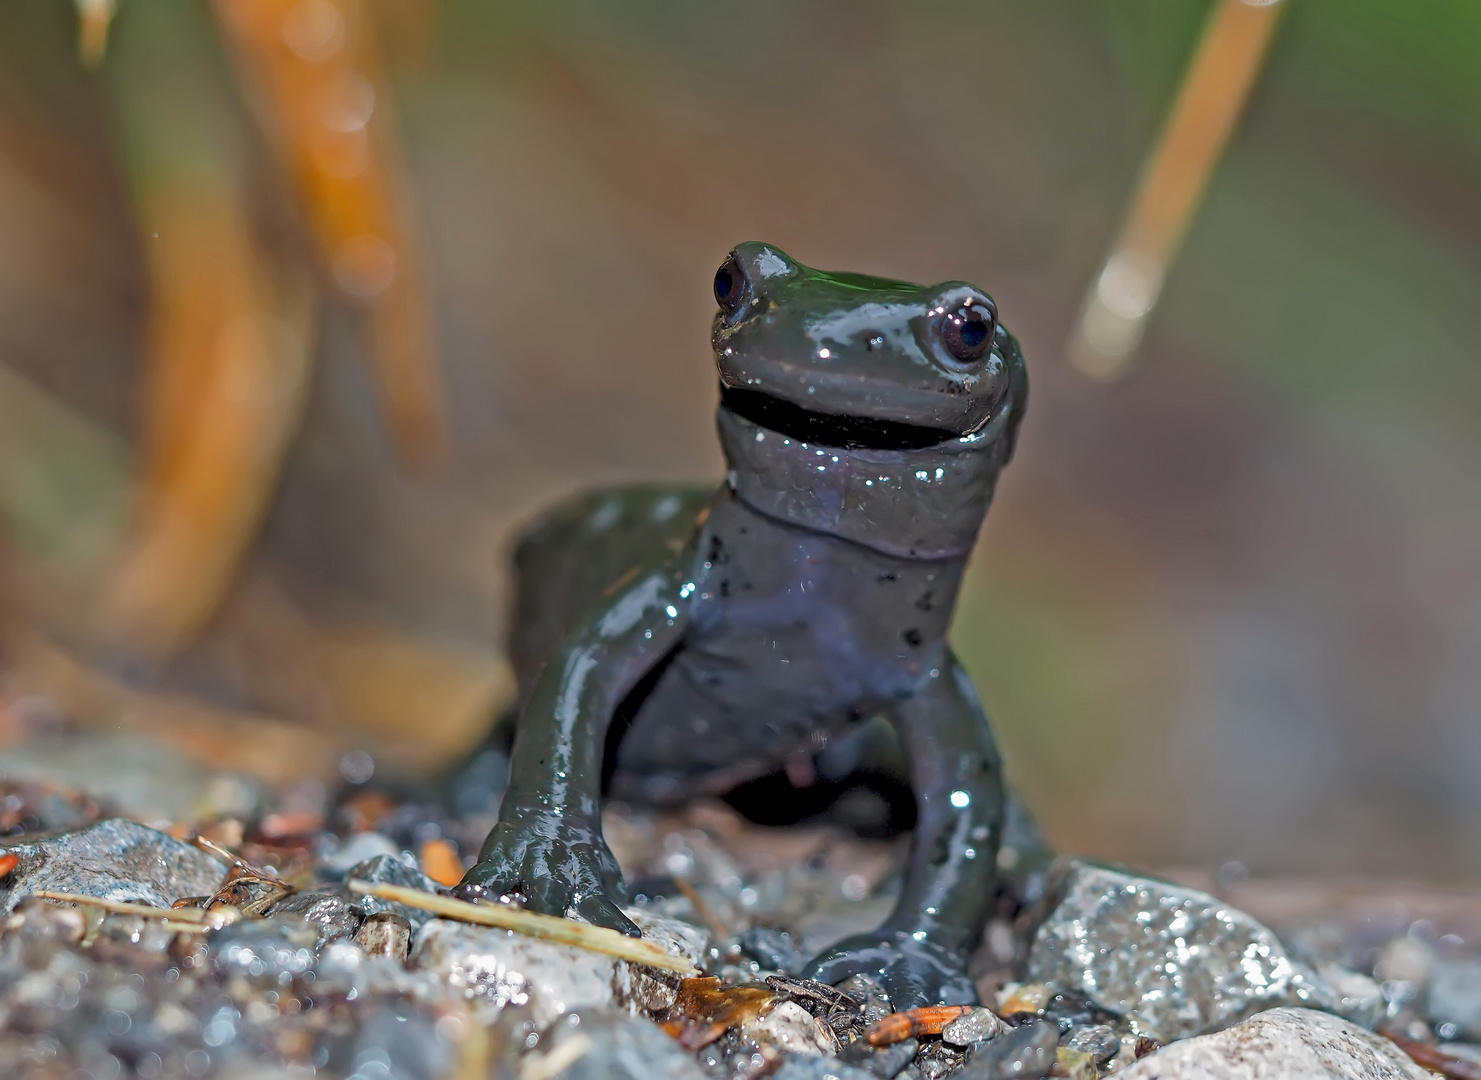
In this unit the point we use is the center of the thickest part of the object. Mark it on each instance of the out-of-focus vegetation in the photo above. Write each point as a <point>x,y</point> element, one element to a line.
<point>1226,608</point>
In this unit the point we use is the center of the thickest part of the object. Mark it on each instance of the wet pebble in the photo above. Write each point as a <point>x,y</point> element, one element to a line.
<point>883,1063</point>
<point>1455,996</point>
<point>936,1059</point>
<point>818,1068</point>
<point>385,934</point>
<point>792,1029</point>
<point>870,993</point>
<point>37,918</point>
<point>390,870</point>
<point>1098,1040</point>
<point>332,915</point>
<point>357,849</point>
<point>611,1046</point>
<point>270,950</point>
<point>1175,961</point>
<point>397,1040</point>
<point>973,1027</point>
<point>1075,1064</point>
<point>1028,1052</point>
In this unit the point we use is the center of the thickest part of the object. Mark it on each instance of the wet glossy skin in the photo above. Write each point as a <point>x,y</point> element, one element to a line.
<point>689,640</point>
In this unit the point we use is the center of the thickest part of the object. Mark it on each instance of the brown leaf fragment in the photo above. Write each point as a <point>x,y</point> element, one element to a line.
<point>706,1009</point>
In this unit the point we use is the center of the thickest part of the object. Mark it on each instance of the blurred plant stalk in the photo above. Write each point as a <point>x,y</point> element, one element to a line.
<point>231,321</point>
<point>139,556</point>
<point>315,78</point>
<point>226,385</point>
<point>1212,96</point>
<point>316,690</point>
<point>227,341</point>
<point>93,20</point>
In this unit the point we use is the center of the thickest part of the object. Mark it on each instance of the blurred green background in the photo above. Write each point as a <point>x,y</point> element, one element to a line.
<point>1227,609</point>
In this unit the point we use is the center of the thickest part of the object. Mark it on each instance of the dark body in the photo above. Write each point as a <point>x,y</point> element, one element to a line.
<point>864,423</point>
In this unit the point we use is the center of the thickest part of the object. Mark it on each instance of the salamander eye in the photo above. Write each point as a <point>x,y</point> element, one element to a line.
<point>968,331</point>
<point>731,287</point>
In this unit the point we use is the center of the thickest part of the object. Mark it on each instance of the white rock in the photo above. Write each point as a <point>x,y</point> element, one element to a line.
<point>1282,1044</point>
<point>502,967</point>
<point>792,1029</point>
<point>975,1026</point>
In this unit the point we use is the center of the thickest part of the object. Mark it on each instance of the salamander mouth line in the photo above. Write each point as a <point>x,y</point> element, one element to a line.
<point>828,429</point>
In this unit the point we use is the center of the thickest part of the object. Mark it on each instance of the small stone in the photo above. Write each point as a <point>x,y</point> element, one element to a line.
<point>116,859</point>
<point>388,1041</point>
<point>389,870</point>
<point>37,918</point>
<point>1405,959</point>
<point>820,1068</point>
<point>793,1030</point>
<point>611,1046</point>
<point>345,967</point>
<point>1174,961</point>
<point>937,1060</point>
<point>1097,1040</point>
<point>884,1063</point>
<point>1024,999</point>
<point>1280,1044</point>
<point>1357,996</point>
<point>385,934</point>
<point>972,1027</point>
<point>265,948</point>
<point>1023,1053</point>
<point>1455,996</point>
<point>870,991</point>
<point>333,916</point>
<point>358,849</point>
<point>1075,1064</point>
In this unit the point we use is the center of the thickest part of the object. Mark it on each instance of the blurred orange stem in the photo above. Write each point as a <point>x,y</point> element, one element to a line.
<point>1209,102</point>
<point>313,71</point>
<point>227,349</point>
<point>223,392</point>
<point>93,20</point>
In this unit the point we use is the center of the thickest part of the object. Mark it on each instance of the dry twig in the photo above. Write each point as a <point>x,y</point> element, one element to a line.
<point>549,927</point>
<point>185,920</point>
